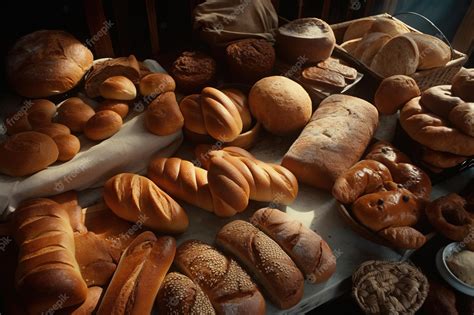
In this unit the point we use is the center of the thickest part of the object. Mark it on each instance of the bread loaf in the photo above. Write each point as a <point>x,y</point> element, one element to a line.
<point>229,288</point>
<point>68,146</point>
<point>399,55</point>
<point>179,295</point>
<point>26,153</point>
<point>47,269</point>
<point>324,78</point>
<point>74,113</point>
<point>308,250</point>
<point>358,28</point>
<point>139,275</point>
<point>388,26</point>
<point>351,45</point>
<point>41,112</point>
<point>163,117</point>
<point>440,159</point>
<point>118,88</point>
<point>120,107</point>
<point>393,92</point>
<point>240,100</point>
<point>463,84</point>
<point>334,140</point>
<point>334,65</point>
<point>91,303</point>
<point>462,117</point>
<point>433,51</point>
<point>68,200</point>
<point>122,66</point>
<point>137,199</point>
<point>193,71</point>
<point>439,100</point>
<point>156,83</point>
<point>103,125</point>
<point>53,130</point>
<point>272,267</point>
<point>370,44</point>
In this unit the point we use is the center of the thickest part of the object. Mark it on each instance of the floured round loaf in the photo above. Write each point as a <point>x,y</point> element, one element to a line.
<point>399,55</point>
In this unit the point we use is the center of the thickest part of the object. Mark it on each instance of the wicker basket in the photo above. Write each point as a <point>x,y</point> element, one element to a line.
<point>425,78</point>
<point>382,287</point>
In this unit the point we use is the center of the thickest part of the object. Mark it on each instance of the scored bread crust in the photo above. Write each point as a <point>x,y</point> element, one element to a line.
<point>399,55</point>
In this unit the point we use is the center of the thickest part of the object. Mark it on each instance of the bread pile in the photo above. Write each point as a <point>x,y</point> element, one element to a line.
<point>386,194</point>
<point>442,123</point>
<point>388,47</point>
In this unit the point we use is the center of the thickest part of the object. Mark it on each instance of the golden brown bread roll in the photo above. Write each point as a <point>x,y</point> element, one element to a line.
<point>26,153</point>
<point>404,237</point>
<point>53,130</point>
<point>103,125</point>
<point>74,113</point>
<point>433,131</point>
<point>68,200</point>
<point>139,275</point>
<point>440,100</point>
<point>120,107</point>
<point>118,88</point>
<point>280,104</point>
<point>68,146</point>
<point>163,116</point>
<point>433,51</point>
<point>370,45</point>
<point>399,55</point>
<point>156,83</point>
<point>272,267</point>
<point>240,100</point>
<point>389,26</point>
<point>229,288</point>
<point>393,92</point>
<point>463,84</point>
<point>190,107</point>
<point>364,177</point>
<point>309,251</point>
<point>462,117</point>
<point>334,140</point>
<point>41,112</point>
<point>47,268</point>
<point>137,199</point>
<point>358,28</point>
<point>179,295</point>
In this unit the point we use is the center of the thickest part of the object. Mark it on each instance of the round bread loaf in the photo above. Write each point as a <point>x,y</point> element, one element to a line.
<point>74,113</point>
<point>358,28</point>
<point>250,59</point>
<point>280,104</point>
<point>118,88</point>
<point>433,51</point>
<point>53,130</point>
<point>370,46</point>
<point>120,107</point>
<point>26,153</point>
<point>388,26</point>
<point>463,84</point>
<point>41,112</point>
<point>310,38</point>
<point>192,71</point>
<point>47,62</point>
<point>103,125</point>
<point>393,92</point>
<point>398,56</point>
<point>462,117</point>
<point>68,146</point>
<point>439,100</point>
<point>156,83</point>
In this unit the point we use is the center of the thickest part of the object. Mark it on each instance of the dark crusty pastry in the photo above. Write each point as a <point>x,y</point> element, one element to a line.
<point>193,70</point>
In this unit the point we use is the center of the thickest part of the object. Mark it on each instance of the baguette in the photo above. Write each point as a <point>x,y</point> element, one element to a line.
<point>139,275</point>
<point>309,251</point>
<point>137,199</point>
<point>229,288</point>
<point>47,270</point>
<point>271,266</point>
<point>179,295</point>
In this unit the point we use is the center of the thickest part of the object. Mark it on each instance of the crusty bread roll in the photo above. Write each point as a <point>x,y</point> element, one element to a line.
<point>139,275</point>
<point>358,28</point>
<point>68,146</point>
<point>179,295</point>
<point>389,26</point>
<point>156,83</point>
<point>369,46</point>
<point>91,303</point>
<point>309,251</point>
<point>103,125</point>
<point>68,200</point>
<point>364,177</point>
<point>74,113</point>
<point>47,62</point>
<point>240,100</point>
<point>120,107</point>
<point>334,140</point>
<point>463,84</point>
<point>229,288</point>
<point>399,55</point>
<point>280,104</point>
<point>47,268</point>
<point>393,92</point>
<point>26,153</point>
<point>41,112</point>
<point>272,267</point>
<point>163,117</point>
<point>309,37</point>
<point>137,199</point>
<point>440,100</point>
<point>433,131</point>
<point>433,51</point>
<point>53,130</point>
<point>118,88</point>
<point>462,117</point>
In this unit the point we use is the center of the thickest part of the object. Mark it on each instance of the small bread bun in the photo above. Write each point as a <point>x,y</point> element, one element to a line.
<point>41,113</point>
<point>118,88</point>
<point>389,26</point>
<point>53,130</point>
<point>156,83</point>
<point>103,125</point>
<point>120,107</point>
<point>68,146</point>
<point>394,92</point>
<point>26,153</point>
<point>280,104</point>
<point>433,51</point>
<point>74,113</point>
<point>463,84</point>
<point>358,28</point>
